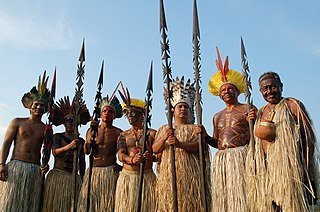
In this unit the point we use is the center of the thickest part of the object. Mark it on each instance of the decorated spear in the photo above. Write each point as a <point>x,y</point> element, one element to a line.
<point>48,134</point>
<point>146,123</point>
<point>167,76</point>
<point>94,132</point>
<point>197,78</point>
<point>78,100</point>
<point>248,88</point>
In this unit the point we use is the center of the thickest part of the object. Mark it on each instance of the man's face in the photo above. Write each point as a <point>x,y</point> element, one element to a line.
<point>271,90</point>
<point>107,114</point>
<point>229,93</point>
<point>134,116</point>
<point>181,110</point>
<point>37,108</point>
<point>69,122</point>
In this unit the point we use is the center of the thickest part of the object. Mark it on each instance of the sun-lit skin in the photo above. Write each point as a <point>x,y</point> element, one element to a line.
<point>229,94</point>
<point>106,139</point>
<point>28,137</point>
<point>271,90</point>
<point>128,151</point>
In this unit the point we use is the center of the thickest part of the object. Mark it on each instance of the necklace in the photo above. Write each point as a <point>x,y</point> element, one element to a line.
<point>136,138</point>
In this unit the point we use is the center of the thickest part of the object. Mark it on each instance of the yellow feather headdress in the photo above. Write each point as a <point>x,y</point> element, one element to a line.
<point>131,103</point>
<point>41,93</point>
<point>225,75</point>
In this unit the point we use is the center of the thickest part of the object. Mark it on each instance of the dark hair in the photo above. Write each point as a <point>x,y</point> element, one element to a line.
<point>271,75</point>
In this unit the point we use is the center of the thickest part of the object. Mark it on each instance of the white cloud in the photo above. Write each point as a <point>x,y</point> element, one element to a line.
<point>34,31</point>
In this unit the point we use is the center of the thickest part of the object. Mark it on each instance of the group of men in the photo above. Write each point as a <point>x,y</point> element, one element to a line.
<point>275,171</point>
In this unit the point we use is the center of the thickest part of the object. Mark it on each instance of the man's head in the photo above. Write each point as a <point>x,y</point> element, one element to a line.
<point>271,87</point>
<point>181,112</point>
<point>134,115</point>
<point>37,108</point>
<point>107,114</point>
<point>69,122</point>
<point>229,93</point>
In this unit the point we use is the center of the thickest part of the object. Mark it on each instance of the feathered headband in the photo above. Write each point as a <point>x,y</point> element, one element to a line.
<point>41,93</point>
<point>131,103</point>
<point>182,92</point>
<point>114,104</point>
<point>63,107</point>
<point>225,75</point>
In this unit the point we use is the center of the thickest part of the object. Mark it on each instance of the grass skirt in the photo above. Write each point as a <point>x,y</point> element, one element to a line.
<point>128,189</point>
<point>102,190</point>
<point>229,180</point>
<point>58,188</point>
<point>21,191</point>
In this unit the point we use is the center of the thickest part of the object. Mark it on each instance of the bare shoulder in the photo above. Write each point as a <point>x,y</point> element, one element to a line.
<point>295,105</point>
<point>118,130</point>
<point>152,131</point>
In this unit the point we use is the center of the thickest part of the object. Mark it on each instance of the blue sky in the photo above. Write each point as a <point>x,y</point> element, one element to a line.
<point>282,36</point>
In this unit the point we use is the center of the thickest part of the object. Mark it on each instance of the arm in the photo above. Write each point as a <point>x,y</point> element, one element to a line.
<point>122,149</point>
<point>56,147</point>
<point>87,144</point>
<point>7,142</point>
<point>160,140</point>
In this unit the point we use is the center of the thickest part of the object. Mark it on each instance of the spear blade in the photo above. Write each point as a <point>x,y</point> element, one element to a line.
<point>166,67</point>
<point>82,53</point>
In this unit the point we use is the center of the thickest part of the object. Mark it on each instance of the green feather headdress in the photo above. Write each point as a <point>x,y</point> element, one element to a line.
<point>41,93</point>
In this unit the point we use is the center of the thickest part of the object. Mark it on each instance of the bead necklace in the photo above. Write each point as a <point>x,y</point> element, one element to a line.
<point>136,138</point>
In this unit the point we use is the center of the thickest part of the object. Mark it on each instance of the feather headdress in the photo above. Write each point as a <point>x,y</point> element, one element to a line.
<point>63,107</point>
<point>225,75</point>
<point>114,104</point>
<point>41,93</point>
<point>183,92</point>
<point>131,103</point>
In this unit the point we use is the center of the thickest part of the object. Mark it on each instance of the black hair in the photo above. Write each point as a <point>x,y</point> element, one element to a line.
<point>271,75</point>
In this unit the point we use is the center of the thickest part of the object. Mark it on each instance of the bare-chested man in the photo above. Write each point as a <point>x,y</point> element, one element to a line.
<point>21,178</point>
<point>231,136</point>
<point>60,182</point>
<point>129,152</point>
<point>105,169</point>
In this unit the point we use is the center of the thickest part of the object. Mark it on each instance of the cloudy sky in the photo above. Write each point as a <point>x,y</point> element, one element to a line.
<point>282,36</point>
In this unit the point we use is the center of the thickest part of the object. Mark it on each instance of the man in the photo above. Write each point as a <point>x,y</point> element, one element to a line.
<point>184,137</point>
<point>284,176</point>
<point>60,182</point>
<point>130,144</point>
<point>231,136</point>
<point>21,178</point>
<point>105,169</point>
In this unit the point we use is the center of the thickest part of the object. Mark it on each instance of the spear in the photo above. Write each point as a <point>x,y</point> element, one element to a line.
<point>196,68</point>
<point>167,76</point>
<point>48,134</point>
<point>248,88</point>
<point>94,132</point>
<point>78,100</point>
<point>147,122</point>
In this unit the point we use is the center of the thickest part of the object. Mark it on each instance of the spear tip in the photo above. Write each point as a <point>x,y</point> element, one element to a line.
<point>196,31</point>
<point>100,81</point>
<point>82,53</point>
<point>243,50</point>
<point>149,86</point>
<point>163,23</point>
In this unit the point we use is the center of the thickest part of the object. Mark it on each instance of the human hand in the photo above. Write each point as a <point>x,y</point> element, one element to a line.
<point>94,124</point>
<point>74,144</point>
<point>252,115</point>
<point>138,158</point>
<point>44,169</point>
<point>168,132</point>
<point>3,172</point>
<point>172,140</point>
<point>148,155</point>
